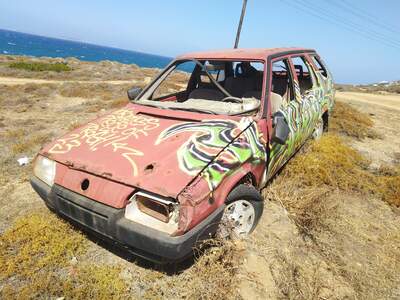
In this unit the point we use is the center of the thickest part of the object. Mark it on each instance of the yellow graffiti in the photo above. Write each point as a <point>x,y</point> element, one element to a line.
<point>110,131</point>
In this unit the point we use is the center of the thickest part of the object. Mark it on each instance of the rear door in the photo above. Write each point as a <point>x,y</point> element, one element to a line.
<point>309,95</point>
<point>325,81</point>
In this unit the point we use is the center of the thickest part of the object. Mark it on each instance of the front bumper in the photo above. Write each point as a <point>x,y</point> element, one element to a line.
<point>110,223</point>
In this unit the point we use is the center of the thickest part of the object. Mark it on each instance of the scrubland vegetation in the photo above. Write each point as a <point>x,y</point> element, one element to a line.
<point>40,67</point>
<point>371,88</point>
<point>330,230</point>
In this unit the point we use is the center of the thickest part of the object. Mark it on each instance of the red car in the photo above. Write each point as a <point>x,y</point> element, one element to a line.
<point>190,153</point>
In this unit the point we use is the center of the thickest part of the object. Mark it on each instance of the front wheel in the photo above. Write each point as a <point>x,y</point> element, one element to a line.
<point>244,207</point>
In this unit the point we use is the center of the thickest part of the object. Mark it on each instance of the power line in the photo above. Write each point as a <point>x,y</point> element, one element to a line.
<point>328,18</point>
<point>357,26</point>
<point>363,14</point>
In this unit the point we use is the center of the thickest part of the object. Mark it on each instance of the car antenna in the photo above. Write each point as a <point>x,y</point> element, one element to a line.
<point>240,24</point>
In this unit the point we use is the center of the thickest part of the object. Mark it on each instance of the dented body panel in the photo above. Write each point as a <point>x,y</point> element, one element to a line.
<point>184,162</point>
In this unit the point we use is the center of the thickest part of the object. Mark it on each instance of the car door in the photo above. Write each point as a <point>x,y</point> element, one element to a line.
<point>309,96</point>
<point>325,81</point>
<point>284,100</point>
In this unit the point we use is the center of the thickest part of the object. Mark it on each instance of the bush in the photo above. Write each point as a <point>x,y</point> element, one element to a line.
<point>332,163</point>
<point>40,66</point>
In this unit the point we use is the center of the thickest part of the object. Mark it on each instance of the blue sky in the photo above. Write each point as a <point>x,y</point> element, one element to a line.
<point>173,27</point>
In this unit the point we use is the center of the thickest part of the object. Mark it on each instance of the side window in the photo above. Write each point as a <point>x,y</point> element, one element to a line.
<point>321,68</point>
<point>176,82</point>
<point>304,74</point>
<point>282,85</point>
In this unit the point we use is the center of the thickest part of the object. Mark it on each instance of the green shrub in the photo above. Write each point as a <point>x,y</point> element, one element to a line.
<point>40,66</point>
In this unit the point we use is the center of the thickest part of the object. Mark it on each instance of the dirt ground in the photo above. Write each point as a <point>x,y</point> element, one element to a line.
<point>353,253</point>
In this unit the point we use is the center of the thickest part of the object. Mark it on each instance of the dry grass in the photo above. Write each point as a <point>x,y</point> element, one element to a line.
<point>351,122</point>
<point>26,145</point>
<point>21,142</point>
<point>213,276</point>
<point>119,102</point>
<point>334,200</point>
<point>326,166</point>
<point>37,256</point>
<point>40,257</point>
<point>35,243</point>
<point>389,185</point>
<point>329,161</point>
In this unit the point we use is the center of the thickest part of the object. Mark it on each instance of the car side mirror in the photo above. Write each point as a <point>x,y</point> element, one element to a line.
<point>280,132</point>
<point>133,93</point>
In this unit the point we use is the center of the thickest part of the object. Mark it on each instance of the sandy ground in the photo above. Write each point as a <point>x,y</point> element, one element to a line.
<point>389,101</point>
<point>279,262</point>
<point>385,112</point>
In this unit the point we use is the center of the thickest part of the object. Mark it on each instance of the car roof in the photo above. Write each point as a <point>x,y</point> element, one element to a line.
<point>252,53</point>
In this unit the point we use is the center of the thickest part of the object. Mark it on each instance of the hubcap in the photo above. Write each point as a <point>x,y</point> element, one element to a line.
<point>237,220</point>
<point>319,129</point>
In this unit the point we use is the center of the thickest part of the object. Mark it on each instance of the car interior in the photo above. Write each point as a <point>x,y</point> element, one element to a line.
<point>282,87</point>
<point>189,86</point>
<point>303,73</point>
<point>282,91</point>
<point>217,87</point>
<point>239,79</point>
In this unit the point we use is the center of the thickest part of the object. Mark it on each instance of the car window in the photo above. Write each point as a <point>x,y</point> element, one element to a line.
<point>282,83</point>
<point>304,74</point>
<point>320,66</point>
<point>176,82</point>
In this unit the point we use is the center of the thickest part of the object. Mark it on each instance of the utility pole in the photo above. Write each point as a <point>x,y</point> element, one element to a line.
<point>240,24</point>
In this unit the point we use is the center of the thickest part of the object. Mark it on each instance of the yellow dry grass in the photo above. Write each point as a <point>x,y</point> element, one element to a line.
<point>40,257</point>
<point>326,166</point>
<point>37,256</point>
<point>37,242</point>
<point>351,122</point>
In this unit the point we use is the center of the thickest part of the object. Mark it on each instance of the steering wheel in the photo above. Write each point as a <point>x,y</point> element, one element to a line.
<point>232,99</point>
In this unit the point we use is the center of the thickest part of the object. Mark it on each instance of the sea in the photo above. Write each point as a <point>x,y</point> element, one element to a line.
<point>17,43</point>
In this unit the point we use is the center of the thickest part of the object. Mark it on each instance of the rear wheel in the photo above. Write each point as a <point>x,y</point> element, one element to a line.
<point>244,207</point>
<point>318,130</point>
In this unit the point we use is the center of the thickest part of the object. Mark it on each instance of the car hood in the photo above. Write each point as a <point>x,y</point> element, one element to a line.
<point>152,149</point>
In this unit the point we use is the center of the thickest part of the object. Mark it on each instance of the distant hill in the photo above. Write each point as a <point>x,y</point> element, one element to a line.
<point>392,87</point>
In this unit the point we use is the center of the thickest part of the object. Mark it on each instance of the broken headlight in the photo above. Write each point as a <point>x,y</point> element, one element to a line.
<point>153,211</point>
<point>45,169</point>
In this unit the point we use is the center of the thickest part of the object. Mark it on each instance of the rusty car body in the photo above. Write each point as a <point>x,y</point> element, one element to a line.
<point>190,152</point>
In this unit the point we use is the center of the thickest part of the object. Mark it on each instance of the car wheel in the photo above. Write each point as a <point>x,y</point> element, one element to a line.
<point>244,207</point>
<point>318,130</point>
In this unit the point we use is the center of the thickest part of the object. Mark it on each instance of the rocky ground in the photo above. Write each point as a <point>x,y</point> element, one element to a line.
<point>331,232</point>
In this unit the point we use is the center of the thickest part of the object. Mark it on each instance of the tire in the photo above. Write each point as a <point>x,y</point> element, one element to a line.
<point>244,207</point>
<point>319,129</point>
<point>325,118</point>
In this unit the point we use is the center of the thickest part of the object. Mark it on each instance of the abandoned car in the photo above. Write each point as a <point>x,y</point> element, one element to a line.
<point>187,157</point>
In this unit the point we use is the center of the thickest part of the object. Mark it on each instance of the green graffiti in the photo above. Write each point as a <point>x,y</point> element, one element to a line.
<point>217,147</point>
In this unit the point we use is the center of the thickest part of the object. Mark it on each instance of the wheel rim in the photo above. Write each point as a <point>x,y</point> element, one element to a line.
<point>238,219</point>
<point>319,129</point>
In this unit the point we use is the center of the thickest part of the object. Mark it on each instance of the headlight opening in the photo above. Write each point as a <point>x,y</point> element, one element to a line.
<point>159,210</point>
<point>153,211</point>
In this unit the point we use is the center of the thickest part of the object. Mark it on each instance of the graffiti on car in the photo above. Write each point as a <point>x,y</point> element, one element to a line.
<point>111,131</point>
<point>207,144</point>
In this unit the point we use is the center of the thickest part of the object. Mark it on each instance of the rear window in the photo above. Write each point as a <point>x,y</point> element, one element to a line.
<point>320,66</point>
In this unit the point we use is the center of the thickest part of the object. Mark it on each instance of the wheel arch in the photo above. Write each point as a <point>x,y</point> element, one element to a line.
<point>246,174</point>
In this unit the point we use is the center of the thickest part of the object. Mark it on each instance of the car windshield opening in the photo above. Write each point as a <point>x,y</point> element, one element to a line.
<point>227,87</point>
